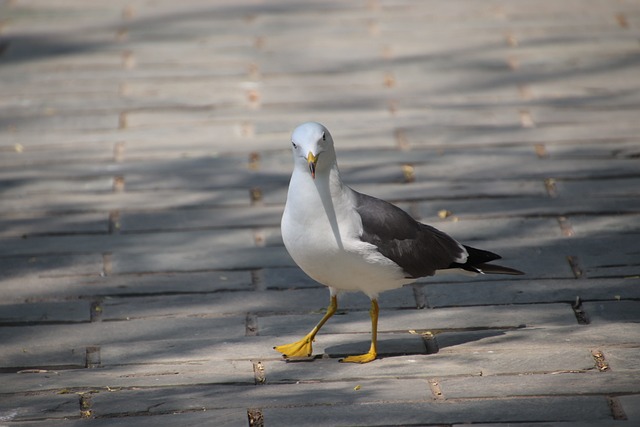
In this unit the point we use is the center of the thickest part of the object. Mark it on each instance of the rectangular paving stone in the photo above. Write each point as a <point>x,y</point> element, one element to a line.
<point>218,178</point>
<point>24,269</point>
<point>197,260</point>
<point>141,373</point>
<point>189,219</point>
<point>209,93</point>
<point>597,262</point>
<point>539,409</point>
<point>630,405</point>
<point>587,423</point>
<point>30,155</point>
<point>233,417</point>
<point>190,240</point>
<point>45,312</point>
<point>613,311</point>
<point>533,339</point>
<point>549,360</point>
<point>434,136</point>
<point>167,283</point>
<point>39,407</point>
<point>78,203</point>
<point>199,349</point>
<point>78,122</point>
<point>66,103</point>
<point>528,207</point>
<point>230,396</point>
<point>25,287</point>
<point>159,141</point>
<point>508,165</point>
<point>38,186</point>
<point>29,355</point>
<point>202,353</point>
<point>600,188</point>
<point>622,359</point>
<point>148,173</point>
<point>600,150</point>
<point>426,189</point>
<point>102,333</point>
<point>591,225</point>
<point>527,291</point>
<point>30,225</point>
<point>286,278</point>
<point>584,383</point>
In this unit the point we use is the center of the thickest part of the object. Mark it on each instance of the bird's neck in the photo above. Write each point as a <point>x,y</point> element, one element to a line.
<point>330,183</point>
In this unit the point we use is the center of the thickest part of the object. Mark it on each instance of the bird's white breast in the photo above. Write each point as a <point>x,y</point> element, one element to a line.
<point>321,229</point>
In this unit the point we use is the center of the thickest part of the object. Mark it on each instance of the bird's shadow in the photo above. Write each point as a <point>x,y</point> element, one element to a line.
<point>409,344</point>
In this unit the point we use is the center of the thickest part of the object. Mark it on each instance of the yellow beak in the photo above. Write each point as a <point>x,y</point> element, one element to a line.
<point>312,160</point>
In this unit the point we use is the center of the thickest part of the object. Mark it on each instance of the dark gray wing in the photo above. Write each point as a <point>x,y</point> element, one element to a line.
<point>418,248</point>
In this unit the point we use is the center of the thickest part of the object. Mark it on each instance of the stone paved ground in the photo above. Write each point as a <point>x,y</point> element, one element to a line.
<point>144,158</point>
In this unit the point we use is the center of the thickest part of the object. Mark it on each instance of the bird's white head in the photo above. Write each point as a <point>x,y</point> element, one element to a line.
<point>312,147</point>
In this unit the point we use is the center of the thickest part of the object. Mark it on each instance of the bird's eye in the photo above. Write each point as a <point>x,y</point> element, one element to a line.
<point>294,144</point>
<point>324,137</point>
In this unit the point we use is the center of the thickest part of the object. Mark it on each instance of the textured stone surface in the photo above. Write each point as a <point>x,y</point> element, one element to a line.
<point>144,165</point>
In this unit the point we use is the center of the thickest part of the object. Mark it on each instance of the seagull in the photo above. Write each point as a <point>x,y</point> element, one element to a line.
<point>350,241</point>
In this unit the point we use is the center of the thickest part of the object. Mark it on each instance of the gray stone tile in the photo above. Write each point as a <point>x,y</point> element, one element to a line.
<point>535,385</point>
<point>613,311</point>
<point>39,407</point>
<point>80,203</point>
<point>630,407</point>
<point>527,207</point>
<point>25,226</point>
<point>68,336</point>
<point>40,186</point>
<point>190,240</point>
<point>232,417</point>
<point>34,355</point>
<point>623,359</point>
<point>194,219</point>
<point>509,410</point>
<point>286,278</point>
<point>194,259</point>
<point>148,372</point>
<point>527,291</point>
<point>593,225</point>
<point>230,396</point>
<point>533,339</point>
<point>45,312</point>
<point>16,272</point>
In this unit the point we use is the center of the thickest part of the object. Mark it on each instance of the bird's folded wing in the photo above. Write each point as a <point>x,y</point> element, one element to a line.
<point>417,248</point>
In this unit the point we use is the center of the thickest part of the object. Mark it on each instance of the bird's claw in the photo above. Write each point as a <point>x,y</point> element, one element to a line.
<point>361,358</point>
<point>302,348</point>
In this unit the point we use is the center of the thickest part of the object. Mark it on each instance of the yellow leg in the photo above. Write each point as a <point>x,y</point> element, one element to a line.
<point>303,347</point>
<point>373,351</point>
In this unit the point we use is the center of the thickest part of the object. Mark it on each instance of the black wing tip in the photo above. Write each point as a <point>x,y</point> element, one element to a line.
<point>497,269</point>
<point>480,256</point>
<point>479,260</point>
